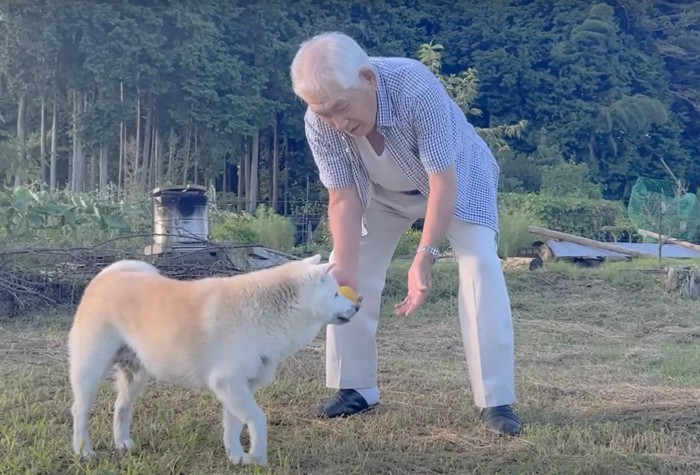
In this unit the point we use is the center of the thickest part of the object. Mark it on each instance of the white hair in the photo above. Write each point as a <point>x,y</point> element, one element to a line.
<point>330,59</point>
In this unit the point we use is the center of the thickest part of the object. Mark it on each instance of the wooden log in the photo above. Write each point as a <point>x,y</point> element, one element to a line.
<point>585,241</point>
<point>669,240</point>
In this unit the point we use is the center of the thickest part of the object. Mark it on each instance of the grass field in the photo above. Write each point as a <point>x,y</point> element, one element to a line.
<point>608,379</point>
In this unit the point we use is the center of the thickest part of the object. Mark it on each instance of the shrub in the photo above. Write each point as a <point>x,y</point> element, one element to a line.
<point>513,234</point>
<point>587,217</point>
<point>265,228</point>
<point>273,230</point>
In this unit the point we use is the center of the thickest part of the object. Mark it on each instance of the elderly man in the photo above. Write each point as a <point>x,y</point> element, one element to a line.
<point>391,147</point>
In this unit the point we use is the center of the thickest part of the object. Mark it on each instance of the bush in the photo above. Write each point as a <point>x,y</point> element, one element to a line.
<point>273,230</point>
<point>265,228</point>
<point>587,217</point>
<point>513,234</point>
<point>569,179</point>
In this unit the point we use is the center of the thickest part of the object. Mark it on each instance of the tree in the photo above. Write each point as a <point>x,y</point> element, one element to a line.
<point>463,88</point>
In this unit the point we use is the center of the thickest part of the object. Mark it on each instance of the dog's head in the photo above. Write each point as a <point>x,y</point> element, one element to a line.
<point>322,292</point>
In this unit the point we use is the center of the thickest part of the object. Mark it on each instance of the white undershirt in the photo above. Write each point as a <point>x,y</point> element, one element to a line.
<point>382,169</point>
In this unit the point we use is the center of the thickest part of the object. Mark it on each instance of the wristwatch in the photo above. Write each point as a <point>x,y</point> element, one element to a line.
<point>430,250</point>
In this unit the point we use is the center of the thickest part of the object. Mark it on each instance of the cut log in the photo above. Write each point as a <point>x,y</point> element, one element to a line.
<point>585,241</point>
<point>669,240</point>
<point>684,280</point>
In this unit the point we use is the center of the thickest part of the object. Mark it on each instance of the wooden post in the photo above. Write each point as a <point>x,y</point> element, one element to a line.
<point>585,241</point>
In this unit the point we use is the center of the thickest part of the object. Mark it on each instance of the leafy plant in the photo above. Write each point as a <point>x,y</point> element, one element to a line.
<point>43,216</point>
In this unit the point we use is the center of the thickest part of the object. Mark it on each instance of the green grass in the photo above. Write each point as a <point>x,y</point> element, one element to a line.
<point>608,380</point>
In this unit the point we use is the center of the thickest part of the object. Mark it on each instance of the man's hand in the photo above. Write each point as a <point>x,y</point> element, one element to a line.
<point>345,277</point>
<point>418,285</point>
<point>345,223</point>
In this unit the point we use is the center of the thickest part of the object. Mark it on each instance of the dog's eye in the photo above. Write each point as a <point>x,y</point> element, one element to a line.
<point>336,294</point>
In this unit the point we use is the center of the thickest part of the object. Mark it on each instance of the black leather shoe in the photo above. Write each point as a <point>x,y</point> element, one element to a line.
<point>345,402</point>
<point>501,419</point>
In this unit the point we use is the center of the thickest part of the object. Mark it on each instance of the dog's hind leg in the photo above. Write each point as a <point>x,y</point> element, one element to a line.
<point>237,398</point>
<point>91,355</point>
<point>130,381</point>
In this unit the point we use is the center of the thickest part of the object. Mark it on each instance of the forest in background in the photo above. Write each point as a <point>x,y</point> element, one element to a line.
<point>122,97</point>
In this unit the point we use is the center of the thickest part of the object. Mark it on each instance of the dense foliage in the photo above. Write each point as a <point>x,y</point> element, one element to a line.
<point>134,94</point>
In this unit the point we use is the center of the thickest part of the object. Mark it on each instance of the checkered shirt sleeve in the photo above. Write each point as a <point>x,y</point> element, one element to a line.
<point>432,121</point>
<point>329,151</point>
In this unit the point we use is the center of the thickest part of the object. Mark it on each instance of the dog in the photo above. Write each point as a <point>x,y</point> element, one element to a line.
<point>227,334</point>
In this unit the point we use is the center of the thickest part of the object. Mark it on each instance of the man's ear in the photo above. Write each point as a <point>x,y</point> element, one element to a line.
<point>368,77</point>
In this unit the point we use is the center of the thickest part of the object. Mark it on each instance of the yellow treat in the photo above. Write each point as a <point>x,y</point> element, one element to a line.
<point>348,292</point>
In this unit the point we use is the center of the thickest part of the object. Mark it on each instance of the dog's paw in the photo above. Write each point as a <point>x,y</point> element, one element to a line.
<point>251,459</point>
<point>84,453</point>
<point>248,459</point>
<point>236,458</point>
<point>123,445</point>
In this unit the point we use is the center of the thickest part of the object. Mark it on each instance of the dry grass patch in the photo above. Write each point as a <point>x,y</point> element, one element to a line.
<point>608,379</point>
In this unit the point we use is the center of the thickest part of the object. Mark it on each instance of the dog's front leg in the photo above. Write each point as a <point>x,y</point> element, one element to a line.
<point>236,397</point>
<point>233,427</point>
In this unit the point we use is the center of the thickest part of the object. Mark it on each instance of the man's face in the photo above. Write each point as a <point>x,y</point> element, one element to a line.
<point>352,111</point>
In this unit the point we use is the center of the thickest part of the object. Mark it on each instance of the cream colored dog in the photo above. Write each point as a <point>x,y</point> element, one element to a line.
<point>226,333</point>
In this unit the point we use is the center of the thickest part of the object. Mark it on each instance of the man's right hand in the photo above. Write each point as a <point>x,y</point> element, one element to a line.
<point>345,223</point>
<point>345,277</point>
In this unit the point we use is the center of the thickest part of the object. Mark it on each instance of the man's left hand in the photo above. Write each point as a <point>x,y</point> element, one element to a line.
<point>418,285</point>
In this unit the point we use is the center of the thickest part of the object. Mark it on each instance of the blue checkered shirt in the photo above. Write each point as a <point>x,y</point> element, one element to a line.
<point>425,132</point>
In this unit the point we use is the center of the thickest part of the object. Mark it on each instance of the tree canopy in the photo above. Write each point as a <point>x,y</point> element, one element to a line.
<point>139,94</point>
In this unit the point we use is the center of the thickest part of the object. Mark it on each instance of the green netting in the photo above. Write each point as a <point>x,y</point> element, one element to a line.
<point>658,206</point>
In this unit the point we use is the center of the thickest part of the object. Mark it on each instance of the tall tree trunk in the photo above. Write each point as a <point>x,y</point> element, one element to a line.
<point>196,154</point>
<point>21,137</point>
<point>243,177</point>
<point>103,170</point>
<point>122,142</point>
<point>93,171</point>
<point>171,153</point>
<point>75,160</point>
<point>157,169</point>
<point>188,142</point>
<point>254,161</point>
<point>147,143</point>
<point>54,156</point>
<point>137,158</point>
<point>42,143</point>
<point>274,194</point>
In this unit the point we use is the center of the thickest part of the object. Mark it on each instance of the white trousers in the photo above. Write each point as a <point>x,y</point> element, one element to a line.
<point>483,305</point>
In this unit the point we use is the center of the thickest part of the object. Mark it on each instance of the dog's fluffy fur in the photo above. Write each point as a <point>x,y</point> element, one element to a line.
<point>226,333</point>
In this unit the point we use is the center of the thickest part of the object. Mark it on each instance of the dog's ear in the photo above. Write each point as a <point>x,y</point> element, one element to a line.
<point>324,269</point>
<point>313,260</point>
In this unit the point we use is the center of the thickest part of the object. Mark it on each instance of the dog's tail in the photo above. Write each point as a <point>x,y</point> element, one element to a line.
<point>131,265</point>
